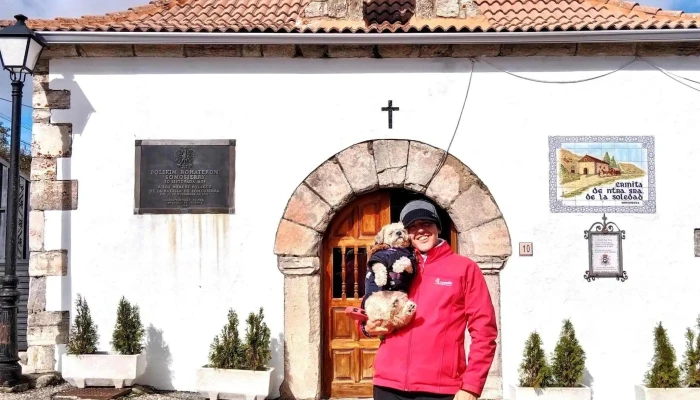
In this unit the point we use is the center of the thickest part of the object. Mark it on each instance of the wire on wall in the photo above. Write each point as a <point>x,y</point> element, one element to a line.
<point>447,151</point>
<point>561,82</point>
<point>675,77</point>
<point>671,75</point>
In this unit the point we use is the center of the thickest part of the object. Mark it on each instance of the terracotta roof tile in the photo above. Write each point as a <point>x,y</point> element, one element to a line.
<point>378,16</point>
<point>648,10</point>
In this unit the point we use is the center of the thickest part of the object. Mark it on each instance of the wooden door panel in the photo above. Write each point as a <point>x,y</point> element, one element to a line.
<point>371,222</point>
<point>351,390</point>
<point>343,365</point>
<point>345,227</point>
<point>347,368</point>
<point>343,327</point>
<point>348,357</point>
<point>367,364</point>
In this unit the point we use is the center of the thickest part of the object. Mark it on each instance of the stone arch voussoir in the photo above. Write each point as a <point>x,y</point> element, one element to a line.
<point>371,165</point>
<point>358,169</point>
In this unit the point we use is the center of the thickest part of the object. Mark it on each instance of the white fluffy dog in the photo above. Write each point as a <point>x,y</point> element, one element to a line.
<point>392,266</point>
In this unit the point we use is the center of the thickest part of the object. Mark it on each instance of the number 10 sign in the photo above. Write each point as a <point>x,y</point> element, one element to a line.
<point>526,248</point>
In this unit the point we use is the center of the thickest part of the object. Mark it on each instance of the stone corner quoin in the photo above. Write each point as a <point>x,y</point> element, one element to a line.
<point>46,329</point>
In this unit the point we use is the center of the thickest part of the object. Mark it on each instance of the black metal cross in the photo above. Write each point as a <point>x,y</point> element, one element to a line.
<point>391,111</point>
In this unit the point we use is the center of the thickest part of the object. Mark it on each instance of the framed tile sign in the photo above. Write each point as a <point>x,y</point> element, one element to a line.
<point>604,251</point>
<point>598,174</point>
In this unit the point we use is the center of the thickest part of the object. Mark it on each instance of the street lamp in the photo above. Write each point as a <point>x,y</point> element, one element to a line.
<point>20,49</point>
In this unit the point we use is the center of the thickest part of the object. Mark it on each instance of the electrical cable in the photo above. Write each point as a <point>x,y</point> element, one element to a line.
<point>10,101</point>
<point>464,103</point>
<point>466,96</point>
<point>471,73</point>
<point>669,74</point>
<point>561,82</point>
<point>3,116</point>
<point>672,75</point>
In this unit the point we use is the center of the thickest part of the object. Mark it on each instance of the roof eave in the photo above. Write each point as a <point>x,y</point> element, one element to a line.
<point>611,36</point>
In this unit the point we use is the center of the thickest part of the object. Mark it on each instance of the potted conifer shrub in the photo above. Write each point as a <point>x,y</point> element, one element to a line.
<point>561,379</point>
<point>83,364</point>
<point>691,359</point>
<point>663,380</point>
<point>238,368</point>
<point>535,373</point>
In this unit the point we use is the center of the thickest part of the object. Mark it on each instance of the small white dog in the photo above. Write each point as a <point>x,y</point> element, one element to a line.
<point>392,266</point>
<point>391,236</point>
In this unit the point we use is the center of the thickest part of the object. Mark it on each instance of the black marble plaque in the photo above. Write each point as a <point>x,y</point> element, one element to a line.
<point>185,176</point>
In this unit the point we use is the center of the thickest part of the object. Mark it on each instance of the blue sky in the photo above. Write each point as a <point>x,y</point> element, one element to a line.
<point>6,107</point>
<point>689,6</point>
<point>76,8</point>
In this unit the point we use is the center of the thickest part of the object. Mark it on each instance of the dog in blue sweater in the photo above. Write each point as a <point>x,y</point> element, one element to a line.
<point>390,270</point>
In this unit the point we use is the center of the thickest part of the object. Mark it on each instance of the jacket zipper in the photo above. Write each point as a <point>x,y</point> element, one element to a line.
<point>410,334</point>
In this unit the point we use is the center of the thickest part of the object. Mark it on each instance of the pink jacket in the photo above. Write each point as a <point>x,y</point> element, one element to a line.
<point>428,355</point>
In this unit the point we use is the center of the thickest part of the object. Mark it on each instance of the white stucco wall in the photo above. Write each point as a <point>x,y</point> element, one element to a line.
<point>288,116</point>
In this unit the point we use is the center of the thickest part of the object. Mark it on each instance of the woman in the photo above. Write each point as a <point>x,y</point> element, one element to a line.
<point>426,359</point>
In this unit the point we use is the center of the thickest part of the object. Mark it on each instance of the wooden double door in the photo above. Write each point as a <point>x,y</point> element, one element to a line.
<point>348,357</point>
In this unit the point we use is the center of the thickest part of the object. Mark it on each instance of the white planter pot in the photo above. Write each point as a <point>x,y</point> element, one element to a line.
<point>642,392</point>
<point>550,393</point>
<point>102,369</point>
<point>233,383</point>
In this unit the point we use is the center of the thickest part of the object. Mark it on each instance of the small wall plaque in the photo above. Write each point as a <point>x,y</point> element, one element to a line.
<point>605,251</point>
<point>184,177</point>
<point>526,248</point>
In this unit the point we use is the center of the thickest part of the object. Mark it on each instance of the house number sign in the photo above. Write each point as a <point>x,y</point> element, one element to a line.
<point>605,251</point>
<point>526,248</point>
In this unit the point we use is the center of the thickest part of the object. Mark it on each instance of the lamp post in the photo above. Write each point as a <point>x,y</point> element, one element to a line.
<point>20,49</point>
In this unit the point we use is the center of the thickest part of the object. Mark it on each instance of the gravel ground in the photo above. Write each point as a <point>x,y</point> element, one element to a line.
<point>49,392</point>
<point>170,396</point>
<point>38,394</point>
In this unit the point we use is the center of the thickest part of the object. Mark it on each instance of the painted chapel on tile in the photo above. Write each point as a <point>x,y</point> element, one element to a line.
<point>336,113</point>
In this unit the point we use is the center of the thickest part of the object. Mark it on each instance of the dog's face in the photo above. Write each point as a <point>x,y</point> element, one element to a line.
<point>394,234</point>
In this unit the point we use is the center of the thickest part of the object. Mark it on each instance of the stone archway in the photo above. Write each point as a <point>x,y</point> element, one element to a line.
<point>361,168</point>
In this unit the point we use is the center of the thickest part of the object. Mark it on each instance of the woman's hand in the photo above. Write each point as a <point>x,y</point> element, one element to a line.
<point>464,395</point>
<point>378,327</point>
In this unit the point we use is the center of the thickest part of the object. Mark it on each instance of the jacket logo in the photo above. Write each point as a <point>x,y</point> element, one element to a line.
<point>442,283</point>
